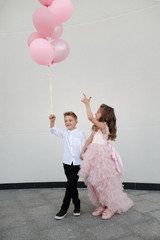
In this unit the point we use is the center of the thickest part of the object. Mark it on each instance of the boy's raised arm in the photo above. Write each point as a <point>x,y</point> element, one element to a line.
<point>56,131</point>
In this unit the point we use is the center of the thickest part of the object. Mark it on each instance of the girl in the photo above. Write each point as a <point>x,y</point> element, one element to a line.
<point>102,167</point>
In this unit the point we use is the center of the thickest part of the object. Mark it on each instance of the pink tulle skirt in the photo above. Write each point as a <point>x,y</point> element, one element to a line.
<point>103,180</point>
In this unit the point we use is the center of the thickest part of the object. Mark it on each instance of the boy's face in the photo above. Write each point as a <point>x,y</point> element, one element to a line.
<point>70,122</point>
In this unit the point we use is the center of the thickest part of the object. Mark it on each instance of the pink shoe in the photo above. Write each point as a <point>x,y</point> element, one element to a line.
<point>98,211</point>
<point>107,214</point>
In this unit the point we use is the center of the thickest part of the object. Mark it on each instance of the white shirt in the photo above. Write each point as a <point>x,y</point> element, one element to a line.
<point>74,142</point>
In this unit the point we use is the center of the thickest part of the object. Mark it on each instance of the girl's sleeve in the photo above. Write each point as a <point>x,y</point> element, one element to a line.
<point>106,130</point>
<point>58,132</point>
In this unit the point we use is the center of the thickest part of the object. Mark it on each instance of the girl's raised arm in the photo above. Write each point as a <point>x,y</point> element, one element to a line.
<point>86,101</point>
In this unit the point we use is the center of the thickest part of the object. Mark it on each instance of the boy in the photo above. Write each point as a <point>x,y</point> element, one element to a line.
<point>74,141</point>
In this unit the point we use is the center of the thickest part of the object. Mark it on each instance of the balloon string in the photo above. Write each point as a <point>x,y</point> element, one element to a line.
<point>50,90</point>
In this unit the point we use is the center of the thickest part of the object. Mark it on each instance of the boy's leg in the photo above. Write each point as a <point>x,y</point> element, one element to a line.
<point>66,200</point>
<point>71,187</point>
<point>75,194</point>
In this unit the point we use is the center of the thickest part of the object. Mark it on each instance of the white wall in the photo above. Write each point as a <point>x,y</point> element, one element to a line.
<point>115,56</point>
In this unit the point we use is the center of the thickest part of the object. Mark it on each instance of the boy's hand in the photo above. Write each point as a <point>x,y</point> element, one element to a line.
<point>85,99</point>
<point>52,118</point>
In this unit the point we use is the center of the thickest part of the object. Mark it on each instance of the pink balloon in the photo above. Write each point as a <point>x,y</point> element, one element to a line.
<point>46,3</point>
<point>41,51</point>
<point>57,31</point>
<point>61,49</point>
<point>34,36</point>
<point>44,21</point>
<point>62,10</point>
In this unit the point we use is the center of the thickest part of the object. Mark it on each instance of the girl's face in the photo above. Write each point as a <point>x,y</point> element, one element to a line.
<point>98,114</point>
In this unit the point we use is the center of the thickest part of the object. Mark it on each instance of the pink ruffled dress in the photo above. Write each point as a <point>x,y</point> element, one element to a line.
<point>101,170</point>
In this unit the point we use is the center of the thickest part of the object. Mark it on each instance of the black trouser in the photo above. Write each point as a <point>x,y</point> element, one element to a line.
<point>71,172</point>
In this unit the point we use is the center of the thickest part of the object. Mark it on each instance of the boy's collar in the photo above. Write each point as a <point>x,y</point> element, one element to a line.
<point>72,130</point>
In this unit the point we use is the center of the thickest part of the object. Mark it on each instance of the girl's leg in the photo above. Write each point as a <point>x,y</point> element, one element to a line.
<point>107,214</point>
<point>98,211</point>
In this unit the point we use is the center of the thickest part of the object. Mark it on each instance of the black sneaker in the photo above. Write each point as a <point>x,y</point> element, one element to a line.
<point>60,215</point>
<point>77,212</point>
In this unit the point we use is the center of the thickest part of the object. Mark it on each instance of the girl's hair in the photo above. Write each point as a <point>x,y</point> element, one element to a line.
<point>109,117</point>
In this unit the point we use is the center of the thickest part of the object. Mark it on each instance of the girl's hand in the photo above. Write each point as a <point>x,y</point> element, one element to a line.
<point>52,118</point>
<point>81,156</point>
<point>85,99</point>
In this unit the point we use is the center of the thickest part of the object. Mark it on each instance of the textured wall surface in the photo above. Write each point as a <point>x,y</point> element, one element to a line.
<point>114,58</point>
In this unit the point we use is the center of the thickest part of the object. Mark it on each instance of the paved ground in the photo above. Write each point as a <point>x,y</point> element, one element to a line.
<point>29,215</point>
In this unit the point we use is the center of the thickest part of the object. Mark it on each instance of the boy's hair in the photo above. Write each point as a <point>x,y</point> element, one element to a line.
<point>70,114</point>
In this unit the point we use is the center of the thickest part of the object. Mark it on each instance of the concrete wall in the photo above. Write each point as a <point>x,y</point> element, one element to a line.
<point>115,56</point>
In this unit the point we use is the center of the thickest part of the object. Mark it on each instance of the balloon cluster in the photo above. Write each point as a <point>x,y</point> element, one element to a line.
<point>45,47</point>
